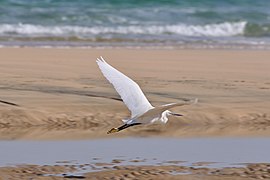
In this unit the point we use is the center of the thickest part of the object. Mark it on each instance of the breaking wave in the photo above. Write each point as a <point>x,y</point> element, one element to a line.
<point>225,29</point>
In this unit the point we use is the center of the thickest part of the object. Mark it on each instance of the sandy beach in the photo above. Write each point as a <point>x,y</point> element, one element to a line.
<point>56,107</point>
<point>60,94</point>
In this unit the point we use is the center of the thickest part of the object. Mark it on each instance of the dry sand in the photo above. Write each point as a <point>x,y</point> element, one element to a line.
<point>61,94</point>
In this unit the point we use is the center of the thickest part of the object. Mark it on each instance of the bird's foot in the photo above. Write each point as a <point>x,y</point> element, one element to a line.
<point>113,130</point>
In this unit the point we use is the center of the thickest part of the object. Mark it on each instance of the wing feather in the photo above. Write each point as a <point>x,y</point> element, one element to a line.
<point>129,90</point>
<point>171,105</point>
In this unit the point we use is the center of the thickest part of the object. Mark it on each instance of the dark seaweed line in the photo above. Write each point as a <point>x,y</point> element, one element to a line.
<point>9,103</point>
<point>66,91</point>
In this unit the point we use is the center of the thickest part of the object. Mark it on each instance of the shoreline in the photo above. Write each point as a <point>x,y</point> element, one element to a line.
<point>215,47</point>
<point>204,157</point>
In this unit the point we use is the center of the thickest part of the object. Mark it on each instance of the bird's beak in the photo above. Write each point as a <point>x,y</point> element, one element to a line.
<point>175,114</point>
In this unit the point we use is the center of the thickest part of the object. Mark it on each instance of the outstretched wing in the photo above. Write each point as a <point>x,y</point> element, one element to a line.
<point>129,91</point>
<point>171,105</point>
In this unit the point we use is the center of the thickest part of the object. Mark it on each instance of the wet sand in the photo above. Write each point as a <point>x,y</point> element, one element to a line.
<point>251,171</point>
<point>60,94</point>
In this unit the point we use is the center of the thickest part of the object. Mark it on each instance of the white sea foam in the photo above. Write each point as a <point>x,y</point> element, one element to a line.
<point>213,30</point>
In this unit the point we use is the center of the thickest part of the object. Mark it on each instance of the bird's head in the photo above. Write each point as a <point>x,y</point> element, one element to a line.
<point>166,113</point>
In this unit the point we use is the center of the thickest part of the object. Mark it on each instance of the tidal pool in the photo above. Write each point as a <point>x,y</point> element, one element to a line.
<point>222,152</point>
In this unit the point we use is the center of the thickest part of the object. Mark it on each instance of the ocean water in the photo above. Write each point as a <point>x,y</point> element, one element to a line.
<point>151,23</point>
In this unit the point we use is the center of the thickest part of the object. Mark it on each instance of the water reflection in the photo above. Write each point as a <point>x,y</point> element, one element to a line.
<point>219,152</point>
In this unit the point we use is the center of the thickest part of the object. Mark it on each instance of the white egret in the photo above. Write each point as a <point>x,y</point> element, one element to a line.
<point>142,112</point>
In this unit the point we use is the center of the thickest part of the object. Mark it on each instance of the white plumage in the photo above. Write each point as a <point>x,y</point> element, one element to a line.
<point>129,90</point>
<point>142,112</point>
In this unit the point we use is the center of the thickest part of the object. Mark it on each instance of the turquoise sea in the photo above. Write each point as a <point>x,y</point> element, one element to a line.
<point>142,23</point>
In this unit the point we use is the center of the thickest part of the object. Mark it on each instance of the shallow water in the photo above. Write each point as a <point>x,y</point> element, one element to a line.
<point>223,152</point>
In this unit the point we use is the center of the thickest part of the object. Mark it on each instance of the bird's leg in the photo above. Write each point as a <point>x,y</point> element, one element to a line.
<point>113,130</point>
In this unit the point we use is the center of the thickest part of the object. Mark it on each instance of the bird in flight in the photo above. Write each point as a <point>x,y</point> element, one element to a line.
<point>142,112</point>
